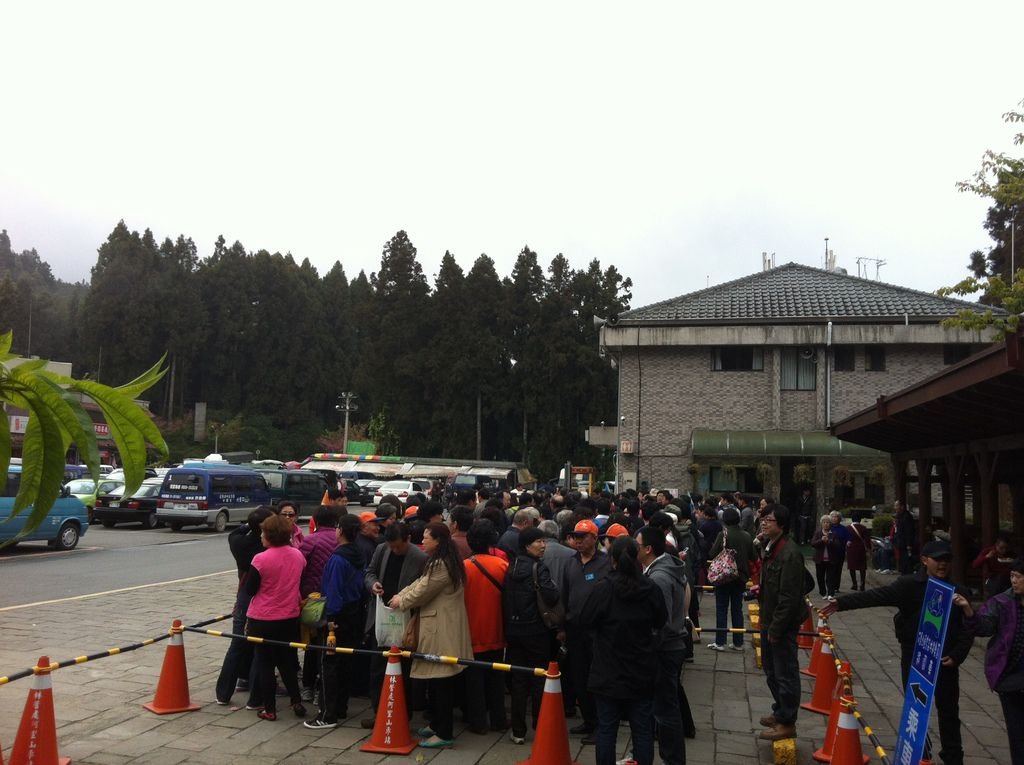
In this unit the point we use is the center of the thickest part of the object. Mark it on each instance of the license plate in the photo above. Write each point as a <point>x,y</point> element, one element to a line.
<point>179,506</point>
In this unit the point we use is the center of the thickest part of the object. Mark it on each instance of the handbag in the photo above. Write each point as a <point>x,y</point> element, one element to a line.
<point>389,624</point>
<point>552,616</point>
<point>312,614</point>
<point>411,635</point>
<point>723,568</point>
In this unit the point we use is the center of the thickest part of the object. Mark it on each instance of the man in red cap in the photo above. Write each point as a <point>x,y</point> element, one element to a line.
<point>589,566</point>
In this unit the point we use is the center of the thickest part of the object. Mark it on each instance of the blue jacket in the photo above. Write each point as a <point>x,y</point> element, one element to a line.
<point>342,582</point>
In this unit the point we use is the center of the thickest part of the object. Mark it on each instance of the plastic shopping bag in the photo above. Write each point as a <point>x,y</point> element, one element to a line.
<point>389,624</point>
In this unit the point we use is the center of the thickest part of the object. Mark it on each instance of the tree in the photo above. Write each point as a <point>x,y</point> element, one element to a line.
<point>57,419</point>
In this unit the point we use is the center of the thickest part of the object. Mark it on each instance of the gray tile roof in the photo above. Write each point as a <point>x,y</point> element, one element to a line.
<point>793,293</point>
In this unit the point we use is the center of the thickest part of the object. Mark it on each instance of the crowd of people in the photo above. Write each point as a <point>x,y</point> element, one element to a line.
<point>608,586</point>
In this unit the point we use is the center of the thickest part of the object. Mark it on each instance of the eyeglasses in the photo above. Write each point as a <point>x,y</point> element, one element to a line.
<point>769,519</point>
<point>287,515</point>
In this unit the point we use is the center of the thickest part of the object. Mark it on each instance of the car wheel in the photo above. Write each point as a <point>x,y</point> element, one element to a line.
<point>149,522</point>
<point>108,524</point>
<point>221,522</point>
<point>67,537</point>
<point>175,525</point>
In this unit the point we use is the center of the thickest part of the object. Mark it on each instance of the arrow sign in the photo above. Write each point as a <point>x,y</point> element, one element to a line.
<point>921,697</point>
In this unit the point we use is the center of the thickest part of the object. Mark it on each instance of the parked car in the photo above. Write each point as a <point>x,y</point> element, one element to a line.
<point>118,473</point>
<point>203,495</point>
<point>115,508</point>
<point>401,489</point>
<point>335,478</point>
<point>367,487</point>
<point>87,490</point>
<point>303,487</point>
<point>63,526</point>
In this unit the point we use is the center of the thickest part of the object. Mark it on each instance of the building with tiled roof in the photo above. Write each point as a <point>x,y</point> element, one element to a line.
<point>734,387</point>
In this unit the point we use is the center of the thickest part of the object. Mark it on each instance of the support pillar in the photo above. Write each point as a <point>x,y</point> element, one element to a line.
<point>955,482</point>
<point>988,496</point>
<point>924,498</point>
<point>900,477</point>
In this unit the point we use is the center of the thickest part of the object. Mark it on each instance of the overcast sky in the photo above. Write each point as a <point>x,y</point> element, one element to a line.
<point>676,141</point>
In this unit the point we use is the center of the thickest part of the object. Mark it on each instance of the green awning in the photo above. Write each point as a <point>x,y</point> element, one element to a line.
<point>775,443</point>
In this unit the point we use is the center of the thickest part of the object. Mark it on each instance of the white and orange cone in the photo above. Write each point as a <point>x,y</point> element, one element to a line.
<point>36,741</point>
<point>551,740</point>
<point>391,730</point>
<point>172,688</point>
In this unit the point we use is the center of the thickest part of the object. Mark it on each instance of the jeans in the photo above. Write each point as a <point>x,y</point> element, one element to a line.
<point>581,656</point>
<point>782,672</point>
<point>441,701</point>
<point>526,651</point>
<point>1013,712</point>
<point>947,704</point>
<point>729,599</point>
<point>268,657</point>
<point>639,713</point>
<point>667,713</point>
<point>237,664</point>
<point>336,670</point>
<point>853,577</point>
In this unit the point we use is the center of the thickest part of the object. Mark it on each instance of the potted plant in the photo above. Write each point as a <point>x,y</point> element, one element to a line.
<point>878,474</point>
<point>841,476</point>
<point>728,473</point>
<point>765,473</point>
<point>803,473</point>
<point>696,470</point>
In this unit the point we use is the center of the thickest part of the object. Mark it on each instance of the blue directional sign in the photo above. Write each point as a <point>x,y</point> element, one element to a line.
<point>924,671</point>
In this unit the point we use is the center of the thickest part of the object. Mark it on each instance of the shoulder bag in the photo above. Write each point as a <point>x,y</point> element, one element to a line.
<point>487,573</point>
<point>552,616</point>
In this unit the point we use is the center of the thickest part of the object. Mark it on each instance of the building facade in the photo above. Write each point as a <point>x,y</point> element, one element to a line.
<point>735,387</point>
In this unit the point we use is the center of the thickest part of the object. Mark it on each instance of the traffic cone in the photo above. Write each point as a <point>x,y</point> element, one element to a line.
<point>172,688</point>
<point>815,664</point>
<point>824,683</point>
<point>847,749</point>
<point>551,738</point>
<point>806,641</point>
<point>391,730</point>
<point>844,687</point>
<point>36,741</point>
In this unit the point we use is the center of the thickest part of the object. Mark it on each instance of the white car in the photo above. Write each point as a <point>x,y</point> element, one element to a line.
<point>401,489</point>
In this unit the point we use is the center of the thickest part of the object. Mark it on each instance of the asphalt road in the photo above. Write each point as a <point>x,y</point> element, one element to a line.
<point>109,559</point>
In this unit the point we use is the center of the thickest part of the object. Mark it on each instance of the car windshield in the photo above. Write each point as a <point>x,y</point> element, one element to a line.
<point>395,486</point>
<point>147,491</point>
<point>82,486</point>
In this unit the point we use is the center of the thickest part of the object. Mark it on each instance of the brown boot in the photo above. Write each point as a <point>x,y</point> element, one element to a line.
<point>778,732</point>
<point>768,721</point>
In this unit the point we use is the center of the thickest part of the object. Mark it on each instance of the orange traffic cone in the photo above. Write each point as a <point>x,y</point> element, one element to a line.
<point>806,641</point>
<point>814,665</point>
<point>844,680</point>
<point>36,741</point>
<point>172,688</point>
<point>824,683</point>
<point>847,749</point>
<point>391,731</point>
<point>551,740</point>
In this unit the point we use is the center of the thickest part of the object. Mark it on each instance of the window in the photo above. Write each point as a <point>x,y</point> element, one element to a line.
<point>843,359</point>
<point>737,358</point>
<point>874,358</point>
<point>951,354</point>
<point>799,371</point>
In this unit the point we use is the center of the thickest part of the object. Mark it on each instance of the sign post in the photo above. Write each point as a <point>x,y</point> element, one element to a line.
<point>924,671</point>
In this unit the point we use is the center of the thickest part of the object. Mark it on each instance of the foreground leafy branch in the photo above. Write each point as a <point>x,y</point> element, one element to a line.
<point>57,419</point>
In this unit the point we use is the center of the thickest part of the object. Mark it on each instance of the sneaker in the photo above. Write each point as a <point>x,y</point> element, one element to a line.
<point>516,739</point>
<point>254,707</point>
<point>307,694</point>
<point>738,648</point>
<point>222,703</point>
<point>319,724</point>
<point>716,647</point>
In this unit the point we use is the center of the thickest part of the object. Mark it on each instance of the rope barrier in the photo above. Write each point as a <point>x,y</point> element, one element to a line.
<point>747,631</point>
<point>101,654</point>
<point>495,665</point>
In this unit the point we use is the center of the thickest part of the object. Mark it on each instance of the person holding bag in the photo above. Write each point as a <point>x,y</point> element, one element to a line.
<point>443,629</point>
<point>528,639</point>
<point>729,593</point>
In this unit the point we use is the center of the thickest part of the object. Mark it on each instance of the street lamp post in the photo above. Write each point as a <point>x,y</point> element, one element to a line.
<point>346,404</point>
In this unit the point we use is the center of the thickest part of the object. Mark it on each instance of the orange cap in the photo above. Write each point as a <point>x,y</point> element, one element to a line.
<point>368,517</point>
<point>410,511</point>
<point>616,530</point>
<point>586,526</point>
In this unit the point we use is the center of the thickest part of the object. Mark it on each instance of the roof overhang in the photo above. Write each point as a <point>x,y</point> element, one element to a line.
<point>775,443</point>
<point>976,399</point>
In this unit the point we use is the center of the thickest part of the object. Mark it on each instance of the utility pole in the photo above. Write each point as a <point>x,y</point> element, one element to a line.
<point>346,404</point>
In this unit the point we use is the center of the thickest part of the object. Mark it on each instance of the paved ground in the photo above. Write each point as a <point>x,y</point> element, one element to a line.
<point>100,718</point>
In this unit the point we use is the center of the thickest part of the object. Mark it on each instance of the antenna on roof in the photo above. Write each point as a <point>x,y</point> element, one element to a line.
<point>862,267</point>
<point>825,264</point>
<point>767,261</point>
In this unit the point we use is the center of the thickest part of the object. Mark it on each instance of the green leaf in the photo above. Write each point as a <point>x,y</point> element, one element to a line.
<point>42,464</point>
<point>5,454</point>
<point>130,428</point>
<point>146,380</point>
<point>75,423</point>
<point>5,341</point>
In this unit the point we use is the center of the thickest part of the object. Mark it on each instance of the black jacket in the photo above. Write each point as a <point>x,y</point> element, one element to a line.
<point>245,544</point>
<point>624,617</point>
<point>907,594</point>
<point>519,599</point>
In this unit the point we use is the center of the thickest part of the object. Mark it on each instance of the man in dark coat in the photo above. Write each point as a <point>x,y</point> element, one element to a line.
<point>783,610</point>
<point>905,538</point>
<point>907,594</point>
